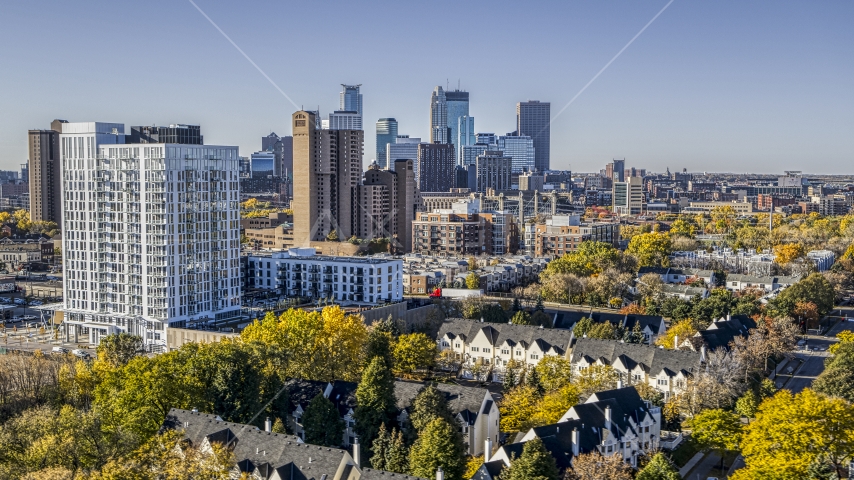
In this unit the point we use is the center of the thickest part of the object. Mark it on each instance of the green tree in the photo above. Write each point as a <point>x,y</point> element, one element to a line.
<point>582,327</point>
<point>229,380</point>
<point>429,405</point>
<point>380,449</point>
<point>535,463</point>
<point>604,331</point>
<point>137,396</point>
<point>651,249</point>
<point>66,438</point>
<point>375,400</point>
<point>413,351</point>
<point>837,379</point>
<point>333,236</point>
<point>521,317</point>
<point>379,344</point>
<point>439,445</point>
<point>554,372</point>
<point>747,404</point>
<point>119,349</point>
<point>397,459</point>
<point>814,288</point>
<point>658,468</point>
<point>322,423</point>
<point>716,430</point>
<point>279,426</point>
<point>588,259</point>
<point>821,469</point>
<point>472,281</point>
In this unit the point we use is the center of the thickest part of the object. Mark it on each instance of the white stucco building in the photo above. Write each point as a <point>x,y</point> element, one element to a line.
<point>301,272</point>
<point>150,237</point>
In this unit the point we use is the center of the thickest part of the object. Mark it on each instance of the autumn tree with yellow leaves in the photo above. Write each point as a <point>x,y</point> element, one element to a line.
<point>792,431</point>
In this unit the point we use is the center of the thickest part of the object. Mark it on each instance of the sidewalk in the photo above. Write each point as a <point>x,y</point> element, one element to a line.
<point>691,463</point>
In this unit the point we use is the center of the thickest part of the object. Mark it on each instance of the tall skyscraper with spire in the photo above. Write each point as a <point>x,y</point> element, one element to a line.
<point>438,116</point>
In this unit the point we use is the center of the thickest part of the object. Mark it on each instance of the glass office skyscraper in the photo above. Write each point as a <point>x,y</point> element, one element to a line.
<point>521,149</point>
<point>351,99</point>
<point>458,107</point>
<point>438,116</point>
<point>465,136</point>
<point>533,119</point>
<point>386,134</point>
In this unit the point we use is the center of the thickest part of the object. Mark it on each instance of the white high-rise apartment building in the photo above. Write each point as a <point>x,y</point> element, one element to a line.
<point>151,239</point>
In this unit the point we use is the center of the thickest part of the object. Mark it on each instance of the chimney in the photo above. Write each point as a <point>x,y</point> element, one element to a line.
<point>440,475</point>
<point>575,440</point>
<point>357,452</point>
<point>487,449</point>
<point>607,417</point>
<point>268,425</point>
<point>620,383</point>
<point>195,410</point>
<point>703,353</point>
<point>728,317</point>
<point>676,342</point>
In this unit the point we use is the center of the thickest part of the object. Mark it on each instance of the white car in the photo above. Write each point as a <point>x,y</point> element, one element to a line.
<point>59,350</point>
<point>80,353</point>
<point>20,301</point>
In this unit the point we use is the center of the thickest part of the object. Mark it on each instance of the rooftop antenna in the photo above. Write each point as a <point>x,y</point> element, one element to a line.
<point>458,84</point>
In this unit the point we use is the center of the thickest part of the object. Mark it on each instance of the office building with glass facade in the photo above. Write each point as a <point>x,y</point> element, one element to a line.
<point>386,134</point>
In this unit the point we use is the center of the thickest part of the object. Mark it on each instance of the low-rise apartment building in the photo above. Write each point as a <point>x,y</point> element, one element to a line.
<point>665,370</point>
<point>494,345</point>
<point>422,273</point>
<point>474,408</point>
<point>562,234</point>
<point>610,422</point>
<point>465,230</point>
<point>301,272</point>
<point>736,282</point>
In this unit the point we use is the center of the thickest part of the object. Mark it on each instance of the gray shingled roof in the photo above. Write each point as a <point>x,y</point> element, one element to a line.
<point>253,447</point>
<point>499,332</point>
<point>720,333</point>
<point>625,403</point>
<point>655,359</point>
<point>568,319</point>
<point>461,400</point>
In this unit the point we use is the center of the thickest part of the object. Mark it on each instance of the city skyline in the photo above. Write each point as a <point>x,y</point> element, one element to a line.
<point>728,87</point>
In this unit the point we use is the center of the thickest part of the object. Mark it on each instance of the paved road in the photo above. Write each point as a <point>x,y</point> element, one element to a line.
<point>804,376</point>
<point>813,360</point>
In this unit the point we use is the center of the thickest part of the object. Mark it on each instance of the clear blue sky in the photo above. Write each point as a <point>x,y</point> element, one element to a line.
<point>713,85</point>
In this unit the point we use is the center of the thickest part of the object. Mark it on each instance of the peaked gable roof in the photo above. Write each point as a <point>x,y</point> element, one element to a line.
<point>465,401</point>
<point>720,333</point>
<point>568,319</point>
<point>253,447</point>
<point>499,332</point>
<point>654,359</point>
